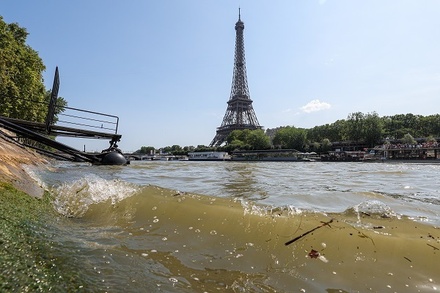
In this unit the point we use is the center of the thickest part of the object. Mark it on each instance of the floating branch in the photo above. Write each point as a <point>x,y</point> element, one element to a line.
<point>308,232</point>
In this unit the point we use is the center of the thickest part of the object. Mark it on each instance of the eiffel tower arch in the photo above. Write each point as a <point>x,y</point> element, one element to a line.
<point>239,114</point>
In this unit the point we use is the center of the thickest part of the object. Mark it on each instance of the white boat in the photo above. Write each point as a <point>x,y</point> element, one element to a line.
<point>209,156</point>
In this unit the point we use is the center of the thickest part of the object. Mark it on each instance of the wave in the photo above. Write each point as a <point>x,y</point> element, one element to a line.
<point>73,199</point>
<point>193,243</point>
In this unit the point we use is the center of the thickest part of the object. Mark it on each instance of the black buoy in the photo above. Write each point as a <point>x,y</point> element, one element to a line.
<point>113,158</point>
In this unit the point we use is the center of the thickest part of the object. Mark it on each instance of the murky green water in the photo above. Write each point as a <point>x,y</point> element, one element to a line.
<point>223,227</point>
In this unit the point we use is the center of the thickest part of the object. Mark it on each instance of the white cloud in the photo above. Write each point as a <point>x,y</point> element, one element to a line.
<point>322,2</point>
<point>314,106</point>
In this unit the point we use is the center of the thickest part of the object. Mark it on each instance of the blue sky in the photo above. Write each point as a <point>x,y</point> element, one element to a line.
<point>165,67</point>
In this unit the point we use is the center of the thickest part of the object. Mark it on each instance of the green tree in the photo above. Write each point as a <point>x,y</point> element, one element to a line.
<point>430,125</point>
<point>431,139</point>
<point>355,125</point>
<point>337,131</point>
<point>236,144</point>
<point>315,146</point>
<point>22,92</point>
<point>240,135</point>
<point>334,132</point>
<point>60,105</point>
<point>145,150</point>
<point>176,148</point>
<point>372,131</point>
<point>326,145</point>
<point>203,148</point>
<point>188,148</point>
<point>258,140</point>
<point>408,139</point>
<point>290,137</point>
<point>247,139</point>
<point>398,125</point>
<point>367,128</point>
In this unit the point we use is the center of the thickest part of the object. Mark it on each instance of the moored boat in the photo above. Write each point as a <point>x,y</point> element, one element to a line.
<point>274,155</point>
<point>209,156</point>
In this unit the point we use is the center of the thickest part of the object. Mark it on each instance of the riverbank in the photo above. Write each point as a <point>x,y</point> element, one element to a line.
<point>30,260</point>
<point>13,159</point>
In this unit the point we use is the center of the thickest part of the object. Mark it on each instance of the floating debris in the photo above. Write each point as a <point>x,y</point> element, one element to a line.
<point>315,254</point>
<point>308,232</point>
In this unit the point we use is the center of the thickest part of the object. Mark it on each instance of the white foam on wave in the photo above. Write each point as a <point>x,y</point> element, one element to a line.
<point>253,208</point>
<point>374,208</point>
<point>32,172</point>
<point>72,199</point>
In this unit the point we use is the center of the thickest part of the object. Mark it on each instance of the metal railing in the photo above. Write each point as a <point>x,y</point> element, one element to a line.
<point>79,118</point>
<point>88,120</point>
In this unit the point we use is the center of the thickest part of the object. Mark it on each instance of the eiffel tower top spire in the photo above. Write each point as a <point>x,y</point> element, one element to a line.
<point>239,81</point>
<point>239,115</point>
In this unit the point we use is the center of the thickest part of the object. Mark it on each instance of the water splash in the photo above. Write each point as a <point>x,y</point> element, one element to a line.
<point>253,208</point>
<point>72,199</point>
<point>374,208</point>
<point>32,171</point>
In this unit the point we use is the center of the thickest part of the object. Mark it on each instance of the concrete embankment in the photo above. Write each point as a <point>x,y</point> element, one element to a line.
<point>13,158</point>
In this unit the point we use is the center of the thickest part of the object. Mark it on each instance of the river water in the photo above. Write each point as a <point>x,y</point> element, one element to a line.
<point>183,226</point>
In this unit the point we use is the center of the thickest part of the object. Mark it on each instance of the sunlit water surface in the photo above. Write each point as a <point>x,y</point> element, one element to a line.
<point>182,226</point>
<point>408,189</point>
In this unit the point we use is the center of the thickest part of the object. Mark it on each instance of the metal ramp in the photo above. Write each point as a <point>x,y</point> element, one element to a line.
<point>74,154</point>
<point>91,124</point>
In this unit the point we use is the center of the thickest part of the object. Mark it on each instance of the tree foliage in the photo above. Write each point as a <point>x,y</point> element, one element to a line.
<point>145,150</point>
<point>22,92</point>
<point>395,127</point>
<point>366,128</point>
<point>332,132</point>
<point>290,137</point>
<point>408,139</point>
<point>247,139</point>
<point>60,105</point>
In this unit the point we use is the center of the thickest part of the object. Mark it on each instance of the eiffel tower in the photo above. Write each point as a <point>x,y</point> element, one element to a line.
<point>239,115</point>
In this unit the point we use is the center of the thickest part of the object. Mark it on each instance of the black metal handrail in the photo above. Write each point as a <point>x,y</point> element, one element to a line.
<point>114,123</point>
